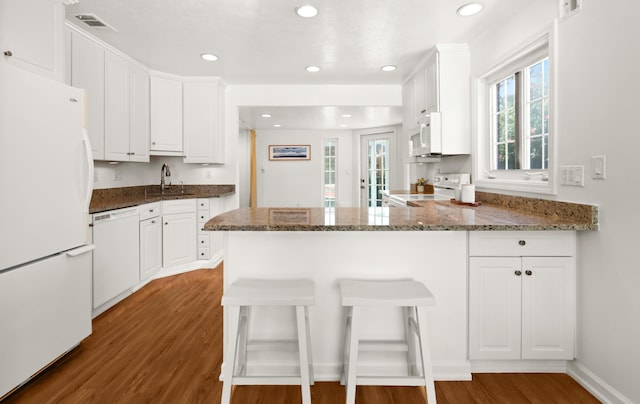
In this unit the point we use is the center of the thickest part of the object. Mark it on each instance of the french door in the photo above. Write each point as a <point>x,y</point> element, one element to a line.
<point>375,159</point>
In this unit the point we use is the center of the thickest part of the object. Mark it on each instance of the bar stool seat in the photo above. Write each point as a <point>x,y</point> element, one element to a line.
<point>411,296</point>
<point>239,297</point>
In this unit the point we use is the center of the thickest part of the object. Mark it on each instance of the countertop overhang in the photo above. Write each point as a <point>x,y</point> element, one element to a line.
<point>430,216</point>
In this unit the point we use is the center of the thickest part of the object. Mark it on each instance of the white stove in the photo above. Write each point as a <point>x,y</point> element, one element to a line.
<point>444,185</point>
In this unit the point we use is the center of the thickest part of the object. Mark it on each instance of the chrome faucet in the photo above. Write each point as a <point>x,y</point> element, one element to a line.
<point>164,172</point>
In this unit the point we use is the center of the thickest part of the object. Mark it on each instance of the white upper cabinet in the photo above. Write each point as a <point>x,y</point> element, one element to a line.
<point>117,100</point>
<point>203,121</point>
<point>87,71</point>
<point>166,115</point>
<point>116,107</point>
<point>126,110</point>
<point>442,84</point>
<point>139,114</point>
<point>31,35</point>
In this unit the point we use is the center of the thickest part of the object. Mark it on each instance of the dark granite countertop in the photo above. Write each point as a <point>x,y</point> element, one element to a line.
<point>512,213</point>
<point>116,198</point>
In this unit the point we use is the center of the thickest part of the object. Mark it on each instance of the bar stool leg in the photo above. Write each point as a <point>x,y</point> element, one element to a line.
<point>352,362</point>
<point>410,338</point>
<point>230,354</point>
<point>345,347</point>
<point>426,355</point>
<point>312,377</point>
<point>304,356</point>
<point>243,336</point>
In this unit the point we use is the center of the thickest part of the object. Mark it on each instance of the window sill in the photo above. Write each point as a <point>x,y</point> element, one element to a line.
<point>530,186</point>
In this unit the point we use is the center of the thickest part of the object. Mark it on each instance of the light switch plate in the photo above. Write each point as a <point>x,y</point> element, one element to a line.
<point>572,176</point>
<point>598,167</point>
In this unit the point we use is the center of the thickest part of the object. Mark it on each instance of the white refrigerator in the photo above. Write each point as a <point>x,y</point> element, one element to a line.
<point>46,177</point>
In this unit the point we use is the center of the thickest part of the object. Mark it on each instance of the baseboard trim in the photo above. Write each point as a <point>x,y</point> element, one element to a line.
<point>602,390</point>
<point>519,366</point>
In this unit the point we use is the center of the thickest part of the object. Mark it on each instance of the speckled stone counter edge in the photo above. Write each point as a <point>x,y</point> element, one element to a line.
<point>124,197</point>
<point>553,209</point>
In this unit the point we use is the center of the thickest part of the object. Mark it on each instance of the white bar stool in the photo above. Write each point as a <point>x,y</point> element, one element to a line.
<point>239,297</point>
<point>413,297</point>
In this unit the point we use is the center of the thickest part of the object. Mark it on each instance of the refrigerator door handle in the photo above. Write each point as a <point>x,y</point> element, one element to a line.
<point>81,250</point>
<point>90,172</point>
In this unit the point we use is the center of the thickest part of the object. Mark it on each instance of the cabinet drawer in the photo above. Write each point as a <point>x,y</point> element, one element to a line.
<point>149,210</point>
<point>203,240</point>
<point>203,204</point>
<point>522,243</point>
<point>178,206</point>
<point>204,254</point>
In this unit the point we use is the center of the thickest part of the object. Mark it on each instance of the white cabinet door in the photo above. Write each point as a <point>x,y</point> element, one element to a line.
<point>116,107</point>
<point>409,123</point>
<point>150,247</point>
<point>87,71</point>
<point>166,115</point>
<point>178,239</point>
<point>139,115</point>
<point>419,107</point>
<point>494,308</point>
<point>31,35</point>
<point>431,85</point>
<point>203,113</point>
<point>548,307</point>
<point>521,308</point>
<point>452,89</point>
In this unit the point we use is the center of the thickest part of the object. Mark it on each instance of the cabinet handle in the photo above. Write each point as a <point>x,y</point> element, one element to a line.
<point>518,273</point>
<point>528,272</point>
<point>522,242</point>
<point>8,53</point>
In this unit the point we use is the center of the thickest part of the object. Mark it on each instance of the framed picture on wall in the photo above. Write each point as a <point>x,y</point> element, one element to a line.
<point>288,152</point>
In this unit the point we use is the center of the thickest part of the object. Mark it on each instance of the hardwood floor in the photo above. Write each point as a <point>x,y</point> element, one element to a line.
<point>163,344</point>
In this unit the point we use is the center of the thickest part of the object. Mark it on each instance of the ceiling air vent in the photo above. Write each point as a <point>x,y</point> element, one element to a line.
<point>93,21</point>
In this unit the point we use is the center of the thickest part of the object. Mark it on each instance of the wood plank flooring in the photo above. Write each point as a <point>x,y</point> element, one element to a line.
<point>163,344</point>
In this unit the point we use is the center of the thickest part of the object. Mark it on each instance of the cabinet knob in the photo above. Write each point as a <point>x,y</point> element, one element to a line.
<point>153,222</point>
<point>518,273</point>
<point>522,242</point>
<point>8,53</point>
<point>528,272</point>
<point>153,143</point>
<point>166,223</point>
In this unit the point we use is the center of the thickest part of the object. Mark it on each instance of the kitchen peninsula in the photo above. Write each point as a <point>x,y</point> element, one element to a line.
<point>430,243</point>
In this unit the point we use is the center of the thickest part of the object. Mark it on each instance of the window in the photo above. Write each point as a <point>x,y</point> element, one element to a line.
<point>515,120</point>
<point>330,155</point>
<point>520,119</point>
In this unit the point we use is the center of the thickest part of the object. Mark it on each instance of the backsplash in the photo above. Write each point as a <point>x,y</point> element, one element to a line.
<point>133,174</point>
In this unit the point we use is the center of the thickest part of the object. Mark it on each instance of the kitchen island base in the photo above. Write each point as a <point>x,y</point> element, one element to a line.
<point>438,259</point>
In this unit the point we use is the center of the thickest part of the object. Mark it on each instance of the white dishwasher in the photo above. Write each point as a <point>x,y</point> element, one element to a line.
<point>116,262</point>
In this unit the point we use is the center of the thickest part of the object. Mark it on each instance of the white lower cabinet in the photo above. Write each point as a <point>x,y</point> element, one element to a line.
<point>178,232</point>
<point>150,240</point>
<point>522,307</point>
<point>204,240</point>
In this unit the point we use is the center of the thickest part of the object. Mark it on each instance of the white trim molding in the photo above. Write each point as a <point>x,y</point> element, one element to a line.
<point>602,390</point>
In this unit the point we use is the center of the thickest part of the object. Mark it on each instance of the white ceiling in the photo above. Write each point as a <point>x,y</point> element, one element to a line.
<point>265,42</point>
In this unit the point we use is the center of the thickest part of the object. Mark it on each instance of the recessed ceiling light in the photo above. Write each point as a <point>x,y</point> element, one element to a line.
<point>388,68</point>
<point>209,57</point>
<point>470,9</point>
<point>277,125</point>
<point>346,115</point>
<point>306,11</point>
<point>312,69</point>
<point>343,125</point>
<point>266,115</point>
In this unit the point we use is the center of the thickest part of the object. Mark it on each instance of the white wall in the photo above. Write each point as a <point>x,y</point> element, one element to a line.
<point>299,183</point>
<point>597,106</point>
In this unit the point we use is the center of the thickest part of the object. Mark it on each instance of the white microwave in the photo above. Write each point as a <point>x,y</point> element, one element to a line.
<point>426,140</point>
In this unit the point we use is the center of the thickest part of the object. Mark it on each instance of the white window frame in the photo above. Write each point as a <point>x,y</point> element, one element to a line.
<point>324,170</point>
<point>521,180</point>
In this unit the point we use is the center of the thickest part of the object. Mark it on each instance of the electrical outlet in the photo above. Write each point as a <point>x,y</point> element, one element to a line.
<point>207,174</point>
<point>116,177</point>
<point>598,167</point>
<point>572,176</point>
